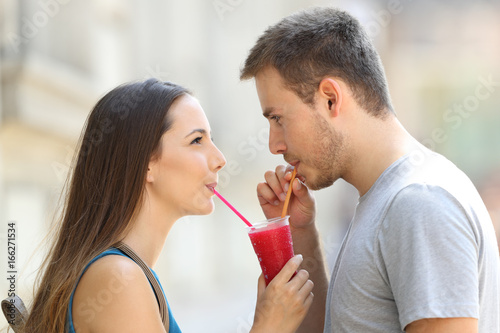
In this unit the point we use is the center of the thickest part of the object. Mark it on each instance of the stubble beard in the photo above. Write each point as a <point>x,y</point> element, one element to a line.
<point>327,157</point>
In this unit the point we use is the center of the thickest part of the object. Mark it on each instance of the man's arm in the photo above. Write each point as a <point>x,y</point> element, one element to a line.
<point>443,325</point>
<point>306,241</point>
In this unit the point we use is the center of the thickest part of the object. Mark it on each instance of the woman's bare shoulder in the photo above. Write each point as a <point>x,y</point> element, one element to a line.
<point>115,295</point>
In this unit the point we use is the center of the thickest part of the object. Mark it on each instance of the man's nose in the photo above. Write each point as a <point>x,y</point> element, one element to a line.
<point>276,142</point>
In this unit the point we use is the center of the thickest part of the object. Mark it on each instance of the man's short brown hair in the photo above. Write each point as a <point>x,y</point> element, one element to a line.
<point>308,46</point>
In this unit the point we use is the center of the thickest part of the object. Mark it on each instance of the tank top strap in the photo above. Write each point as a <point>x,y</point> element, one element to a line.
<point>153,280</point>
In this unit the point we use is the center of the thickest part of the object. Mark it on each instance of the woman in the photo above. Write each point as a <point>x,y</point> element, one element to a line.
<point>146,159</point>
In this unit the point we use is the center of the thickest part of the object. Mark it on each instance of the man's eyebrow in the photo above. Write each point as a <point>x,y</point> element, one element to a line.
<point>198,130</point>
<point>267,111</point>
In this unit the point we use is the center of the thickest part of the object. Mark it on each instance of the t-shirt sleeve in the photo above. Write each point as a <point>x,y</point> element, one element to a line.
<point>430,250</point>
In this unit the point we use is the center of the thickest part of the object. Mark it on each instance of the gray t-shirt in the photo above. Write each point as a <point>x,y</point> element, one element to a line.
<point>421,245</point>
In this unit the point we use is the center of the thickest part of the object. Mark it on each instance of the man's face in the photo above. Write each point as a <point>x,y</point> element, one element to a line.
<point>301,132</point>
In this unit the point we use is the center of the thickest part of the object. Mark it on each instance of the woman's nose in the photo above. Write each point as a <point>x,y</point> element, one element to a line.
<point>219,160</point>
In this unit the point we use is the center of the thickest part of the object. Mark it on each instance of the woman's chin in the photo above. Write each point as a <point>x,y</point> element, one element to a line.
<point>201,204</point>
<point>208,211</point>
<point>205,208</point>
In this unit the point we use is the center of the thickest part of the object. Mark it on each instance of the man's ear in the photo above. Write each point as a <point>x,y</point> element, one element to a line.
<point>330,94</point>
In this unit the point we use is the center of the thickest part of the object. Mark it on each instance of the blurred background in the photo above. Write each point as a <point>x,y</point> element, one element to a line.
<point>58,57</point>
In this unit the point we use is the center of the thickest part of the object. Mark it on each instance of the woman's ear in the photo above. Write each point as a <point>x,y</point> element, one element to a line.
<point>331,94</point>
<point>149,175</point>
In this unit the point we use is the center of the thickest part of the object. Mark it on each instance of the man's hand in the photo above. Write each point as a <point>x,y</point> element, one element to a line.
<point>272,193</point>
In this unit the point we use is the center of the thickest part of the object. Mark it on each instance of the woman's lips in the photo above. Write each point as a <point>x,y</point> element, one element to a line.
<point>211,186</point>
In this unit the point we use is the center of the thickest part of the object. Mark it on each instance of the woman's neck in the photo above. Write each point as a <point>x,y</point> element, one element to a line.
<point>150,228</point>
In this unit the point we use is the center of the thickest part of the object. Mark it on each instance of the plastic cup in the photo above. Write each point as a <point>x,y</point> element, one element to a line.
<point>272,243</point>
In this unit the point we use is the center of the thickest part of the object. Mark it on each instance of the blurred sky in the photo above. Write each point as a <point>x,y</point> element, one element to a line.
<point>58,57</point>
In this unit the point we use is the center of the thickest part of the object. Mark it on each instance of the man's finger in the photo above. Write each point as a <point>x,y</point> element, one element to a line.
<point>272,179</point>
<point>266,195</point>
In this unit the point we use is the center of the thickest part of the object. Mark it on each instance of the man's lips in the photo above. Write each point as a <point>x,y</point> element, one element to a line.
<point>295,165</point>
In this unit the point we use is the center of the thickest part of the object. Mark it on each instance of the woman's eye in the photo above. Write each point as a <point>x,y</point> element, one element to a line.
<point>197,141</point>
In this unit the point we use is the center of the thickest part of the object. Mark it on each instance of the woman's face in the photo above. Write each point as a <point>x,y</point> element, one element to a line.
<point>184,173</point>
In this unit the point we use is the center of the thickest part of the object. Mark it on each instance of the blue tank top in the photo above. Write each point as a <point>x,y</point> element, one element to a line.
<point>173,327</point>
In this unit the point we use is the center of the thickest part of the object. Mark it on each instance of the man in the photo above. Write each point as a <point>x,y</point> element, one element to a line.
<point>420,254</point>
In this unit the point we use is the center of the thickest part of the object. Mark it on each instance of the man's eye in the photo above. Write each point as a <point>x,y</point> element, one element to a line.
<point>275,118</point>
<point>197,141</point>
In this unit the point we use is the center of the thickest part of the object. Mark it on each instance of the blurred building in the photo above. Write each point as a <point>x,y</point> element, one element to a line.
<point>59,56</point>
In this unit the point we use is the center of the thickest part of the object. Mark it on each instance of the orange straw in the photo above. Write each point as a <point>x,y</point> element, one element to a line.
<point>288,194</point>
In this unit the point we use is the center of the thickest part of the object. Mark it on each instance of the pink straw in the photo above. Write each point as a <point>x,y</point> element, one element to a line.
<point>232,208</point>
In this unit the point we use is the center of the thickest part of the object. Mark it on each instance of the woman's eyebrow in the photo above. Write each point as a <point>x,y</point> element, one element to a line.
<point>199,130</point>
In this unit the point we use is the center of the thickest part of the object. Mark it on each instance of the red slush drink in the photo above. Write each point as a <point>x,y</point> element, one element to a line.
<point>272,242</point>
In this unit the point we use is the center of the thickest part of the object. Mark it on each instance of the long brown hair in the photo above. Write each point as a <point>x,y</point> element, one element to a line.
<point>121,135</point>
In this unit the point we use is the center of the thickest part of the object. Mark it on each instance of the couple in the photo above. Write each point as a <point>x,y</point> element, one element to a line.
<point>420,254</point>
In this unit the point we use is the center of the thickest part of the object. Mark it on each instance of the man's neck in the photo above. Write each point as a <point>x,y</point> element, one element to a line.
<point>377,144</point>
